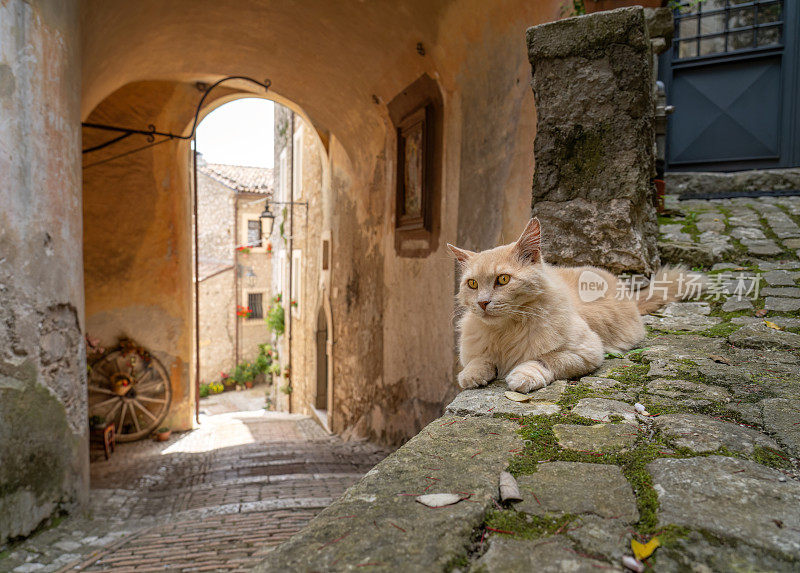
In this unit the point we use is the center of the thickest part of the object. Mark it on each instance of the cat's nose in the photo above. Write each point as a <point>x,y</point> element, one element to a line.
<point>483,304</point>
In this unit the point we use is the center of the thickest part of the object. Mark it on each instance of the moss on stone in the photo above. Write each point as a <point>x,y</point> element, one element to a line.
<point>670,535</point>
<point>771,458</point>
<point>690,225</point>
<point>523,526</point>
<point>573,392</point>
<point>632,375</point>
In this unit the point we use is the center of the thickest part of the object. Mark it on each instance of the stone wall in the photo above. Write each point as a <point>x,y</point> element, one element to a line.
<point>592,190</point>
<point>215,215</point>
<point>215,212</point>
<point>43,421</point>
<point>753,182</point>
<point>217,325</point>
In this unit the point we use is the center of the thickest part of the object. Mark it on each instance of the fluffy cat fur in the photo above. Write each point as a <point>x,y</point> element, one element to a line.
<point>534,328</point>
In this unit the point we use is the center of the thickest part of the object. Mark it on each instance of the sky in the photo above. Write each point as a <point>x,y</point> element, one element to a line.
<point>238,133</point>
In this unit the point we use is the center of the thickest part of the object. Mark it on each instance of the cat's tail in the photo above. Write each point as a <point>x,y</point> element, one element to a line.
<point>670,284</point>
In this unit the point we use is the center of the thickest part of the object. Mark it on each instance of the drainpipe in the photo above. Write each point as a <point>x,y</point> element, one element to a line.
<point>196,288</point>
<point>236,275</point>
<point>290,330</point>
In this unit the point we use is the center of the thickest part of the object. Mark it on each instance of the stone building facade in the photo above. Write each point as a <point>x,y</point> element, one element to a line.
<point>300,269</point>
<point>235,265</point>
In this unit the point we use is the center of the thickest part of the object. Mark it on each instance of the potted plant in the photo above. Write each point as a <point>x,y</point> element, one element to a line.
<point>227,382</point>
<point>162,434</point>
<point>249,375</point>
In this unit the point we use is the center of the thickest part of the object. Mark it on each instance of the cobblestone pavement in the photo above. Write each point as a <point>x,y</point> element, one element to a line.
<point>217,498</point>
<point>707,462</point>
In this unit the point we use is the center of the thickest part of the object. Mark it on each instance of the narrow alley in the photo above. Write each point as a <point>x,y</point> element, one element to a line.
<point>220,497</point>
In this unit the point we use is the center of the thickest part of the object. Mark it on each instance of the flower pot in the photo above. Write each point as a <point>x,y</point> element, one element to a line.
<point>248,384</point>
<point>163,436</point>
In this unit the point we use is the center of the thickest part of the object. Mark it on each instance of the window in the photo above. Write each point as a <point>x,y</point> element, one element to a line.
<point>255,303</point>
<point>417,116</point>
<point>715,27</point>
<point>254,233</point>
<point>326,251</point>
<point>297,165</point>
<point>297,274</point>
<point>284,174</point>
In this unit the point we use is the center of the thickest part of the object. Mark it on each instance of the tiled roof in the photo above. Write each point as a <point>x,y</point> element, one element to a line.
<point>239,178</point>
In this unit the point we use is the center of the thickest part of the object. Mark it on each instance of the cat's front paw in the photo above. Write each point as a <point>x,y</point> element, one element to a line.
<point>528,377</point>
<point>474,376</point>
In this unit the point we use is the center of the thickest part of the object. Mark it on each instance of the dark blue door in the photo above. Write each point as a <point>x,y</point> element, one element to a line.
<point>732,77</point>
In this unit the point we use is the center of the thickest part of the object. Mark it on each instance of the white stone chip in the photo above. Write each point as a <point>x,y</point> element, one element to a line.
<point>439,499</point>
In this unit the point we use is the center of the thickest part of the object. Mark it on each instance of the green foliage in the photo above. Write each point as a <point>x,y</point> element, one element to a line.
<point>286,389</point>
<point>243,373</point>
<point>204,390</point>
<point>264,359</point>
<point>275,318</point>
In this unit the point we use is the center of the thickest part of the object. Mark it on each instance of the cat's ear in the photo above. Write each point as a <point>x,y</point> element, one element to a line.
<point>462,255</point>
<point>529,244</point>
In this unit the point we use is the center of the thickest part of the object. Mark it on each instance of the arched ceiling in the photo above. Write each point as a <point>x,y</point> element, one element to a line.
<point>328,57</point>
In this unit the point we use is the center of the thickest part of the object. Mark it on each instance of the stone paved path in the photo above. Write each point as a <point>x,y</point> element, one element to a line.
<point>711,468</point>
<point>217,498</point>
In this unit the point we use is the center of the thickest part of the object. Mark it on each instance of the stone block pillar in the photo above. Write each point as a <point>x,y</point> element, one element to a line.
<point>594,149</point>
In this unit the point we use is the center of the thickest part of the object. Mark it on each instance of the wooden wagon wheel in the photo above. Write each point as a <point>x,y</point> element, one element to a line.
<point>130,389</point>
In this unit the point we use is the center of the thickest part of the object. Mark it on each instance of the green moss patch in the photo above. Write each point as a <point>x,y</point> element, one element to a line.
<point>631,375</point>
<point>510,523</point>
<point>771,458</point>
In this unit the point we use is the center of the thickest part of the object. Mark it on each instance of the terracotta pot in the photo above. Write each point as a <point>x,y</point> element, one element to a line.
<point>163,436</point>
<point>248,384</point>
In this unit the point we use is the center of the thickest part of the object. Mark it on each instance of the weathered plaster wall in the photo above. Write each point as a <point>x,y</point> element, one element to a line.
<point>137,235</point>
<point>341,63</point>
<point>43,422</point>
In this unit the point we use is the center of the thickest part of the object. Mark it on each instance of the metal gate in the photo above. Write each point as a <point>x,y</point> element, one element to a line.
<point>732,77</point>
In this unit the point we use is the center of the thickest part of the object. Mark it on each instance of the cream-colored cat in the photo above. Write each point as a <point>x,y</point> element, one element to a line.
<point>525,321</point>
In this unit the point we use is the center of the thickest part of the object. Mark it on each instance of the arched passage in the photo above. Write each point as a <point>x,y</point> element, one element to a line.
<point>138,228</point>
<point>342,64</point>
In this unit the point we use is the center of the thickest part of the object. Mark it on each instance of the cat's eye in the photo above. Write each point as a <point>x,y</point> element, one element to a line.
<point>503,279</point>
<point>472,283</point>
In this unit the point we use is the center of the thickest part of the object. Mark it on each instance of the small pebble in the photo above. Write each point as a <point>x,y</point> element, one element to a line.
<point>633,564</point>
